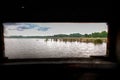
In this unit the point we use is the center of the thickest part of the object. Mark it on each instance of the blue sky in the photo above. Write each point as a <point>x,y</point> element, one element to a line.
<point>43,29</point>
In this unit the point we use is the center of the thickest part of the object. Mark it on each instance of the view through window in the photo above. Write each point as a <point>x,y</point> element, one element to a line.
<point>55,40</point>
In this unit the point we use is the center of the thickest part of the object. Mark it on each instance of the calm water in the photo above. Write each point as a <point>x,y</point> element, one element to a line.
<point>39,48</point>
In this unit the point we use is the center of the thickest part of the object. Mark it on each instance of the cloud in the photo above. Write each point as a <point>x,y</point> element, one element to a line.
<point>11,29</point>
<point>23,27</point>
<point>20,29</point>
<point>43,28</point>
<point>26,26</point>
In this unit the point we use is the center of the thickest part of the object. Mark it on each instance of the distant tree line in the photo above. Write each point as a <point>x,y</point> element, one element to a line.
<point>102,34</point>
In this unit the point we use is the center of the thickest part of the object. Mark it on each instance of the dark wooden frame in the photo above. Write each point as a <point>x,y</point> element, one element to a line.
<point>24,16</point>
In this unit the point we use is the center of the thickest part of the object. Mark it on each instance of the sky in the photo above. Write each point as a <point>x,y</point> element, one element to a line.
<point>44,29</point>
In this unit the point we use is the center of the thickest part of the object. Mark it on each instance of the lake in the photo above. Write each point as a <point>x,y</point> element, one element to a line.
<point>40,48</point>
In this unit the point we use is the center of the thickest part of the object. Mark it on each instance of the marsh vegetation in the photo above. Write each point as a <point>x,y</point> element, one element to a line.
<point>86,40</point>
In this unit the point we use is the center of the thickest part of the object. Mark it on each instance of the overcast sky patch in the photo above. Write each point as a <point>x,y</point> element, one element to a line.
<point>43,29</point>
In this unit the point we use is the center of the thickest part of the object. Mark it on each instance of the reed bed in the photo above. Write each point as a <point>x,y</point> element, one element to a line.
<point>87,40</point>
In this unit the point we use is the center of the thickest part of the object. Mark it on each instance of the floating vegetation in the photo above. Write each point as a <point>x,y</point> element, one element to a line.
<point>98,41</point>
<point>46,39</point>
<point>55,40</point>
<point>86,40</point>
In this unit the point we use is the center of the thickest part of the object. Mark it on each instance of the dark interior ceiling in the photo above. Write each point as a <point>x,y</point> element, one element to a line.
<point>20,10</point>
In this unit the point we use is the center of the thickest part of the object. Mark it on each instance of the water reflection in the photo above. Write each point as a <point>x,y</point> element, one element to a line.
<point>51,48</point>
